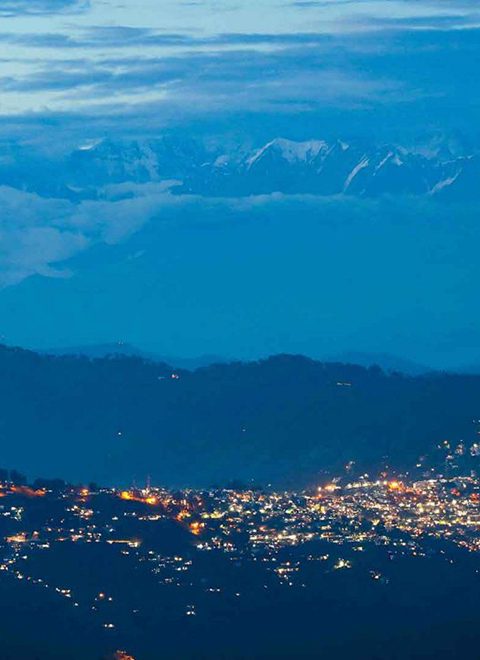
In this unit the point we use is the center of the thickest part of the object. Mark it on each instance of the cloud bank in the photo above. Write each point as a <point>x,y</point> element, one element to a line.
<point>124,68</point>
<point>37,235</point>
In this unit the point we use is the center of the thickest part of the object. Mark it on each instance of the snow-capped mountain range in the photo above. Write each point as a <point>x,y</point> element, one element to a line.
<point>291,167</point>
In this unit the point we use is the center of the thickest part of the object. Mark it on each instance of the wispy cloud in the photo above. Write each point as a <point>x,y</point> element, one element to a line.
<point>37,7</point>
<point>298,76</point>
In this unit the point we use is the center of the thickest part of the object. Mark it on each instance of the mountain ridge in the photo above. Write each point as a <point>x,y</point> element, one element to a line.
<point>315,166</point>
<point>286,420</point>
<point>386,361</point>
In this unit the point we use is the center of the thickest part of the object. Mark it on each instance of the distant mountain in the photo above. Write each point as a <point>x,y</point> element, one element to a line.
<point>441,170</point>
<point>112,162</point>
<point>385,361</point>
<point>127,350</point>
<point>322,168</point>
<point>99,351</point>
<point>287,420</point>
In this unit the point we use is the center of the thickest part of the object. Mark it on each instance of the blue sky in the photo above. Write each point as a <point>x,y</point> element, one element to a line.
<point>195,275</point>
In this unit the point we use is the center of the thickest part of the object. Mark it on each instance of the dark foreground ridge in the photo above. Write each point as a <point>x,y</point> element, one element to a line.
<point>285,420</point>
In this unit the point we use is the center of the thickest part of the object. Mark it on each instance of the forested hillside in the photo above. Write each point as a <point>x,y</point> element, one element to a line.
<point>285,420</point>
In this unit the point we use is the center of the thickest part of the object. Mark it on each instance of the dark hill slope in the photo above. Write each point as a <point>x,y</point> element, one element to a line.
<point>281,420</point>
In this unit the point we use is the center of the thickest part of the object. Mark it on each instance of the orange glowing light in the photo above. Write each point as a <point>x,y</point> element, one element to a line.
<point>17,538</point>
<point>330,488</point>
<point>28,492</point>
<point>196,528</point>
<point>395,485</point>
<point>132,497</point>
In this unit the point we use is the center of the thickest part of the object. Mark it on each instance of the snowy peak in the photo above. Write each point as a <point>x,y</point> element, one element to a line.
<point>314,166</point>
<point>289,151</point>
<point>106,161</point>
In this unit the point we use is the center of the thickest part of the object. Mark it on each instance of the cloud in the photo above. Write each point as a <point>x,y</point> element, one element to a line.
<point>107,72</point>
<point>428,22</point>
<point>106,37</point>
<point>37,235</point>
<point>36,7</point>
<point>301,75</point>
